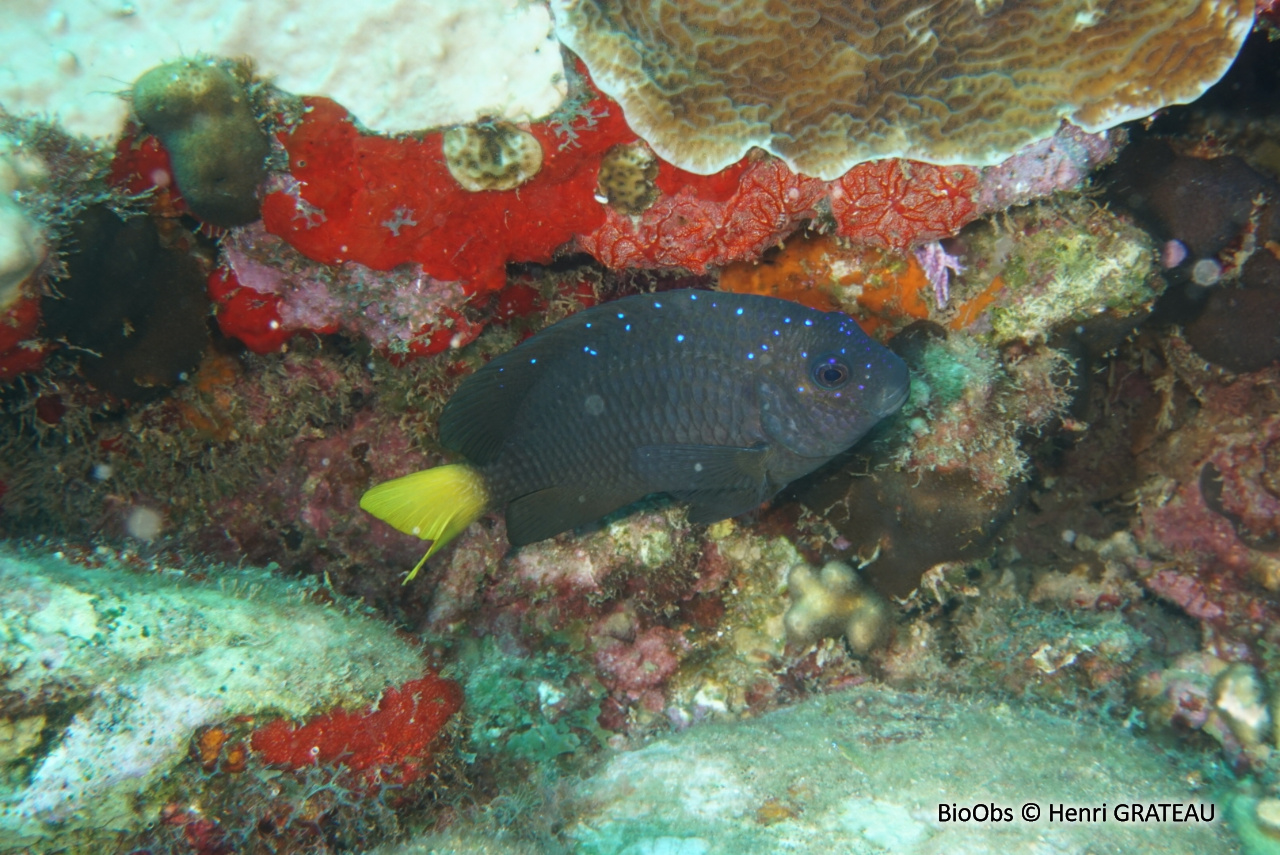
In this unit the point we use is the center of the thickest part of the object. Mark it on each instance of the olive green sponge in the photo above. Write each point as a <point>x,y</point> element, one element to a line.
<point>202,113</point>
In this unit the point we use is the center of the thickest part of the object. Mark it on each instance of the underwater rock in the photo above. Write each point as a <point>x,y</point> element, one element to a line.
<point>1204,203</point>
<point>869,770</point>
<point>972,408</point>
<point>903,523</point>
<point>1238,326</point>
<point>201,110</point>
<point>1208,507</point>
<point>1050,265</point>
<point>23,244</point>
<point>132,304</point>
<point>130,658</point>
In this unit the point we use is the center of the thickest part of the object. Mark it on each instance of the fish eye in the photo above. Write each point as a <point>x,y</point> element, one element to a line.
<point>830,372</point>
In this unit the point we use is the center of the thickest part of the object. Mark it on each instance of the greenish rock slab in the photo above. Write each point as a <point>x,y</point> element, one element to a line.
<point>865,771</point>
<point>141,655</point>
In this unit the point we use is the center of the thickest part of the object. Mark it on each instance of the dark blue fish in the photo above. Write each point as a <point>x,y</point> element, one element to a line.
<point>717,399</point>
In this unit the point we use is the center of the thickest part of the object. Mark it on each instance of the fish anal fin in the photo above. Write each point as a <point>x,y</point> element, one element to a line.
<point>708,506</point>
<point>548,512</point>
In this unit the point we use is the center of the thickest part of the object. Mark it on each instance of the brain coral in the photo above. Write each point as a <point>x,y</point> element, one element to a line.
<point>827,84</point>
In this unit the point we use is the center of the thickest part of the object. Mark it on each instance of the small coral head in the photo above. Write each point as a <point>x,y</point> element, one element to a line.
<point>829,84</point>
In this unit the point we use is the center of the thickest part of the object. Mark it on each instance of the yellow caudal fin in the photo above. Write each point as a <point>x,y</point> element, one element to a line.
<point>434,504</point>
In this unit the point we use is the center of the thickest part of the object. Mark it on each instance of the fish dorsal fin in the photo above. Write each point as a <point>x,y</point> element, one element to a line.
<point>695,468</point>
<point>546,513</point>
<point>481,414</point>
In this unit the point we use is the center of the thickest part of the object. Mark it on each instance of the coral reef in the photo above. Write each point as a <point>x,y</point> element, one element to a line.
<point>1073,512</point>
<point>968,83</point>
<point>351,198</point>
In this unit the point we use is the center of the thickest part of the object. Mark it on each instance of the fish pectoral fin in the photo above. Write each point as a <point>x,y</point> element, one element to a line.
<point>679,469</point>
<point>548,512</point>
<point>708,506</point>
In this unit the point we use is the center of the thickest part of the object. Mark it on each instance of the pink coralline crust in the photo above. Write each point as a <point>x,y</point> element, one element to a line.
<point>1210,521</point>
<point>456,586</point>
<point>632,668</point>
<point>552,583</point>
<point>1187,593</point>
<point>688,230</point>
<point>1188,528</point>
<point>1060,162</point>
<point>388,308</point>
<point>316,487</point>
<point>1233,612</point>
<point>1242,467</point>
